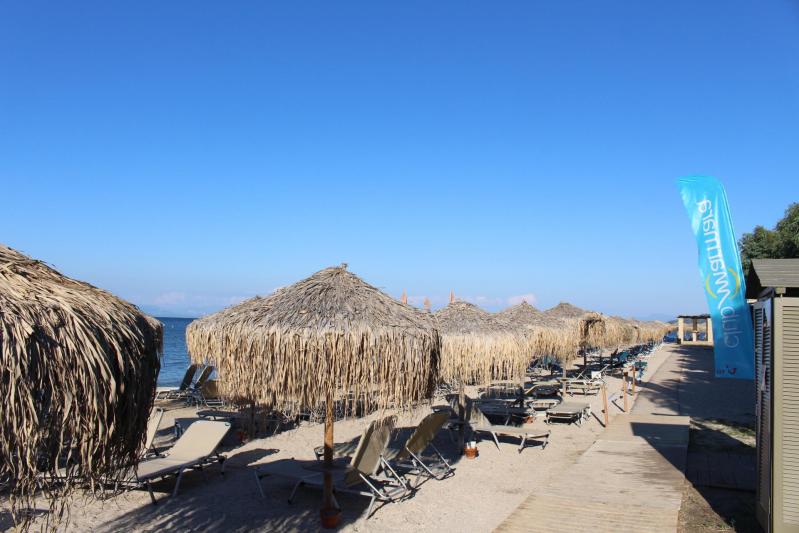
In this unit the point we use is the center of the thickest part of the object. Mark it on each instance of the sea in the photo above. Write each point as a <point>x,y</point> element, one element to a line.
<point>175,360</point>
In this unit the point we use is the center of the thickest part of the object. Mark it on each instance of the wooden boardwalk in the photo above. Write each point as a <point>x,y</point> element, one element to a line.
<point>630,479</point>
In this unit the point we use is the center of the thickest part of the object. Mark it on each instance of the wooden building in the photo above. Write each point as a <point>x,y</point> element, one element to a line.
<point>773,284</point>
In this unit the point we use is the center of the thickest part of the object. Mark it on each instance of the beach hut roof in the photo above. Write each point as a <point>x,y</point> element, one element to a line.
<point>79,369</point>
<point>478,346</point>
<point>330,333</point>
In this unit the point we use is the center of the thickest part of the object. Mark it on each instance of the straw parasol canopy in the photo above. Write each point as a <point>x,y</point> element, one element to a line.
<point>324,337</point>
<point>592,331</point>
<point>78,369</point>
<point>565,311</point>
<point>329,334</point>
<point>521,314</point>
<point>478,346</point>
<point>549,334</point>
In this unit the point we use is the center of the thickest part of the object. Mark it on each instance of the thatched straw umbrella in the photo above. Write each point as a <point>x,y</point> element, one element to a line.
<point>477,347</point>
<point>521,313</point>
<point>325,337</point>
<point>592,328</point>
<point>551,336</point>
<point>565,310</point>
<point>78,369</point>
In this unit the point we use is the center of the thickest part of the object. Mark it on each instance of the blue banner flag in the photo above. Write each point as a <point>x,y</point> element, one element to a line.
<point>722,276</point>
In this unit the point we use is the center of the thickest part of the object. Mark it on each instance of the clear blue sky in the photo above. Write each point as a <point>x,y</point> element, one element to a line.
<point>185,155</point>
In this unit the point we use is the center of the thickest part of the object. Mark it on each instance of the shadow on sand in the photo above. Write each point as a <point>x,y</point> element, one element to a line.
<point>208,501</point>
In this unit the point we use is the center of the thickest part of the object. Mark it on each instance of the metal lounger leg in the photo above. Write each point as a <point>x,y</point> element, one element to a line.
<point>421,466</point>
<point>496,440</point>
<point>258,484</point>
<point>369,509</point>
<point>177,483</point>
<point>150,490</point>
<point>293,492</point>
<point>523,443</point>
<point>441,457</point>
<point>402,481</point>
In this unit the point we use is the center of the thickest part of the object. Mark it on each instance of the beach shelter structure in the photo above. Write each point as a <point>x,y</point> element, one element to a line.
<point>328,337</point>
<point>591,326</point>
<point>78,369</point>
<point>565,310</point>
<point>550,335</point>
<point>477,347</point>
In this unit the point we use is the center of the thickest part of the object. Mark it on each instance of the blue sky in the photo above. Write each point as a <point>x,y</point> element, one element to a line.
<point>185,155</point>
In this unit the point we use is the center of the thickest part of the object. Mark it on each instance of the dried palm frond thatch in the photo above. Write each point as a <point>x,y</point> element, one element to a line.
<point>565,310</point>
<point>324,337</point>
<point>477,346</point>
<point>329,334</point>
<point>78,369</point>
<point>521,313</point>
<point>549,335</point>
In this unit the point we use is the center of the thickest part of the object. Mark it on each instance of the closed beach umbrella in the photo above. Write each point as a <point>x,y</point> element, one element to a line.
<point>326,337</point>
<point>78,369</point>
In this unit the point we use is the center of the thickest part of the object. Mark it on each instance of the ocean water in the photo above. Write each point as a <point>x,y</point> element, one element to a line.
<point>175,360</point>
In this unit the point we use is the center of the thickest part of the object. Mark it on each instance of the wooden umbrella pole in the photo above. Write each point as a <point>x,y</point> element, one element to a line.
<point>605,403</point>
<point>624,389</point>
<point>328,489</point>
<point>462,418</point>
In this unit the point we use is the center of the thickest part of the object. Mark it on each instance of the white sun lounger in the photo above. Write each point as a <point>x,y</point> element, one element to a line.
<point>408,457</point>
<point>152,429</point>
<point>359,477</point>
<point>195,448</point>
<point>480,424</point>
<point>571,412</point>
<point>165,393</point>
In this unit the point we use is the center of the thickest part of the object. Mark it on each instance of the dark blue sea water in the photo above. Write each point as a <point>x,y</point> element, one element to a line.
<point>176,357</point>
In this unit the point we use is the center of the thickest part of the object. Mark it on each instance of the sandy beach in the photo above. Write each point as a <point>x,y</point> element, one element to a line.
<point>481,494</point>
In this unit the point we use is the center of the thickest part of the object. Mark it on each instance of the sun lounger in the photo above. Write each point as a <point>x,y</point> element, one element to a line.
<point>350,448</point>
<point>408,458</point>
<point>194,449</point>
<point>507,411</point>
<point>152,429</point>
<point>543,388</point>
<point>586,386</point>
<point>542,404</point>
<point>194,394</point>
<point>571,412</point>
<point>480,424</point>
<point>208,394</point>
<point>359,477</point>
<point>165,393</point>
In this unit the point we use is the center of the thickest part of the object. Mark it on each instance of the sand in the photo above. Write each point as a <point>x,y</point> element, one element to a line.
<point>478,497</point>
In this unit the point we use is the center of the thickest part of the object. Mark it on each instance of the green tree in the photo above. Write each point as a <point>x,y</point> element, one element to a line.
<point>779,243</point>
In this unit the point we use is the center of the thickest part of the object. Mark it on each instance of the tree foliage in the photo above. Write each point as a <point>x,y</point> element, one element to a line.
<point>778,243</point>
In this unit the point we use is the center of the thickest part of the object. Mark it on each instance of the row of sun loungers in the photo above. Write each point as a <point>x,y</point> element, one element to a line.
<point>374,466</point>
<point>203,391</point>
